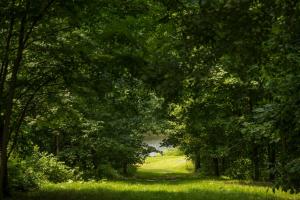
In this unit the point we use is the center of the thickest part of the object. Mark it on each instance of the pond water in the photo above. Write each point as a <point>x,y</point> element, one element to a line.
<point>155,141</point>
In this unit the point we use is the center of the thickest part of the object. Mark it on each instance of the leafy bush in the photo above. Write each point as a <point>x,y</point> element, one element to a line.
<point>240,169</point>
<point>289,180</point>
<point>293,172</point>
<point>107,171</point>
<point>53,170</point>
<point>131,171</point>
<point>22,176</point>
<point>29,173</point>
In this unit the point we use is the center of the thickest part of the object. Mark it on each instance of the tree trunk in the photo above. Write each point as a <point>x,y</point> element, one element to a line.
<point>5,59</point>
<point>57,145</point>
<point>197,161</point>
<point>255,160</point>
<point>7,103</point>
<point>284,152</point>
<point>2,160</point>
<point>272,160</point>
<point>4,189</point>
<point>125,169</point>
<point>223,167</point>
<point>216,166</point>
<point>8,109</point>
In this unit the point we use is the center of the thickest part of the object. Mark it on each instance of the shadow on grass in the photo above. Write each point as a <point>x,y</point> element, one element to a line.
<point>154,186</point>
<point>191,180</point>
<point>174,178</point>
<point>169,176</point>
<point>99,193</point>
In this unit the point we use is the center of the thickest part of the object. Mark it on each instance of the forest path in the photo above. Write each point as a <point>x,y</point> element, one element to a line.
<point>170,165</point>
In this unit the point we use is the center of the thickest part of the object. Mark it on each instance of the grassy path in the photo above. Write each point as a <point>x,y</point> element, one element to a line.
<point>157,180</point>
<point>167,166</point>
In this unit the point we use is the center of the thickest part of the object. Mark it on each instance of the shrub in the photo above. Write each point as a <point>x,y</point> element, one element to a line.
<point>22,176</point>
<point>29,173</point>
<point>240,169</point>
<point>293,174</point>
<point>107,171</point>
<point>53,170</point>
<point>289,178</point>
<point>131,171</point>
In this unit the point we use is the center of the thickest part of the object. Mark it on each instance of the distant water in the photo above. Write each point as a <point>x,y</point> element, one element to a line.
<point>155,141</point>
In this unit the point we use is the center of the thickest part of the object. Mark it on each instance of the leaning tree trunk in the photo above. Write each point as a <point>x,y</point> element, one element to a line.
<point>8,109</point>
<point>6,104</point>
<point>4,136</point>
<point>4,190</point>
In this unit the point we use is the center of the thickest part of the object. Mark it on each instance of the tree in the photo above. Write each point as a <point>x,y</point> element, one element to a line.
<point>31,33</point>
<point>72,54</point>
<point>249,41</point>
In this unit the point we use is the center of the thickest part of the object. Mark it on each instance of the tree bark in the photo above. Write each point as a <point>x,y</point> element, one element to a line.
<point>197,161</point>
<point>5,61</point>
<point>255,159</point>
<point>6,102</point>
<point>57,144</point>
<point>125,169</point>
<point>8,108</point>
<point>4,174</point>
<point>223,165</point>
<point>216,166</point>
<point>4,190</point>
<point>272,160</point>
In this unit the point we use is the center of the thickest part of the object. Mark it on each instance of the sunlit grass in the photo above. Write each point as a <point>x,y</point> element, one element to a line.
<point>150,190</point>
<point>165,165</point>
<point>160,178</point>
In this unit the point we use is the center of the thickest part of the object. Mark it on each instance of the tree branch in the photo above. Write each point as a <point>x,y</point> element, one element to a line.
<point>22,116</point>
<point>5,62</point>
<point>37,19</point>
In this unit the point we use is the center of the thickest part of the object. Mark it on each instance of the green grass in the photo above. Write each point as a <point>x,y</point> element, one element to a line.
<point>162,177</point>
<point>168,165</point>
<point>151,190</point>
